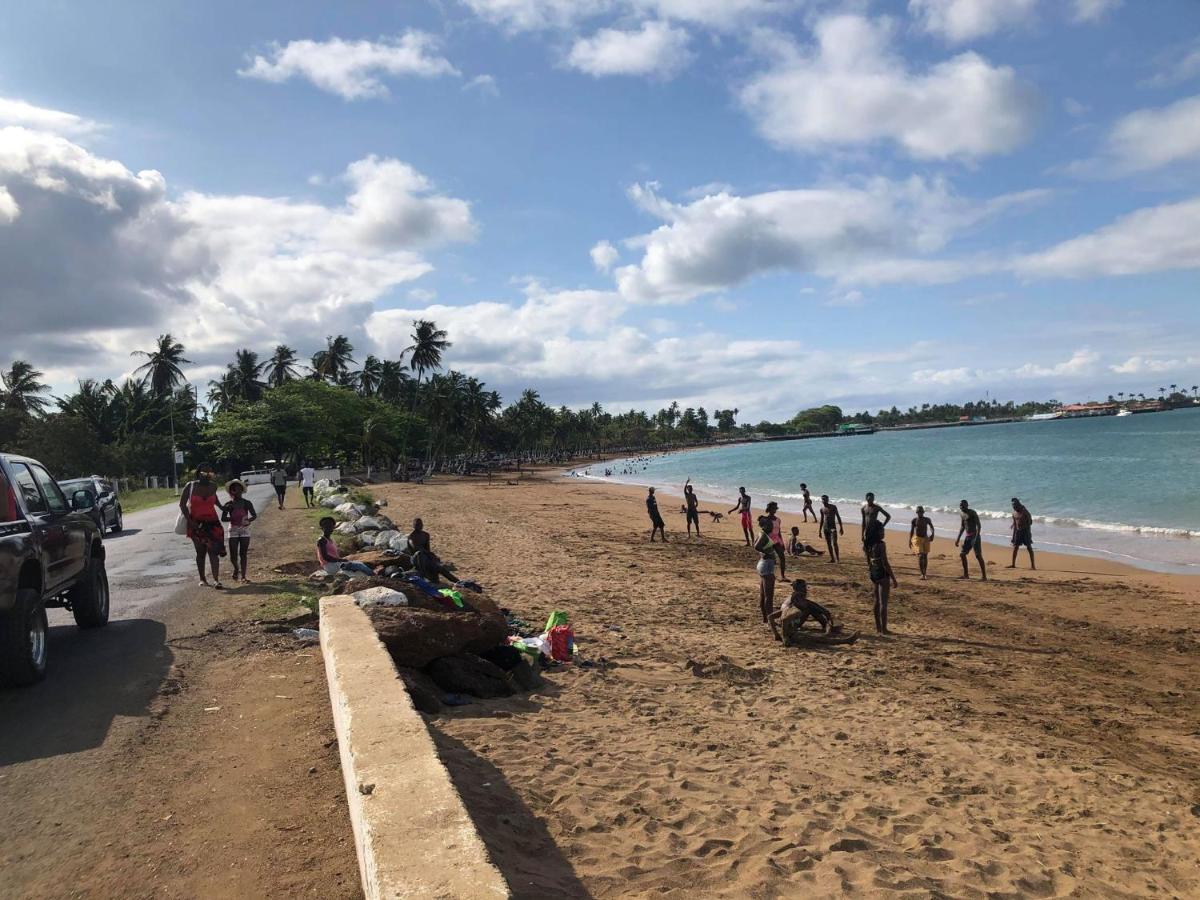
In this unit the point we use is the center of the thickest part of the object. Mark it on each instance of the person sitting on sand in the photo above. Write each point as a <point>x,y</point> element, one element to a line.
<point>797,547</point>
<point>920,538</point>
<point>330,557</point>
<point>427,563</point>
<point>974,539</point>
<point>657,525</point>
<point>808,507</point>
<point>830,526</point>
<point>871,511</point>
<point>883,579</point>
<point>1022,532</point>
<point>742,505</point>
<point>796,610</point>
<point>692,508</point>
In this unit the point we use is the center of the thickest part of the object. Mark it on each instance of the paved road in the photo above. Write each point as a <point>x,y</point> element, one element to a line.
<point>97,677</point>
<point>148,557</point>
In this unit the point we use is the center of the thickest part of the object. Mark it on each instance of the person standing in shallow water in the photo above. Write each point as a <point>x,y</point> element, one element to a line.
<point>1022,532</point>
<point>973,540</point>
<point>657,525</point>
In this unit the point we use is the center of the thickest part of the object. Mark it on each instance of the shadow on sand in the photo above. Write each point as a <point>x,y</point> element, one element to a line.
<point>93,677</point>
<point>517,841</point>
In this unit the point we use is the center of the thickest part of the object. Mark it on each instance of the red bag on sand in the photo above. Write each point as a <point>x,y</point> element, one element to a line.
<point>562,642</point>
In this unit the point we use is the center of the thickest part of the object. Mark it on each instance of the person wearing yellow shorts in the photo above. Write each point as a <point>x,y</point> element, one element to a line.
<point>920,538</point>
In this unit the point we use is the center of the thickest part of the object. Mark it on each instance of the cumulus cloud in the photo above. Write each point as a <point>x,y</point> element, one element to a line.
<point>102,257</point>
<point>720,14</point>
<point>8,207</point>
<point>1149,365</point>
<point>536,15</point>
<point>483,84</point>
<point>875,232</point>
<point>1148,139</point>
<point>1154,239</point>
<point>604,256</point>
<point>352,69</point>
<point>1082,362</point>
<point>656,48</point>
<point>959,21</point>
<point>533,15</point>
<point>852,88</point>
<point>26,115</point>
<point>1093,10</point>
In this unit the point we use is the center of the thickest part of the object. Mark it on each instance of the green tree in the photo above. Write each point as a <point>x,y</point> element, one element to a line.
<point>333,363</point>
<point>162,369</point>
<point>22,389</point>
<point>281,367</point>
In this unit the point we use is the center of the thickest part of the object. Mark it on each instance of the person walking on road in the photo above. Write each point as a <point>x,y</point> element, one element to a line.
<point>305,479</point>
<point>199,504</point>
<point>279,482</point>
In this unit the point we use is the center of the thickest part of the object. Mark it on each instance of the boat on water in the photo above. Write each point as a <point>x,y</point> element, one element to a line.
<point>1042,417</point>
<point>1124,412</point>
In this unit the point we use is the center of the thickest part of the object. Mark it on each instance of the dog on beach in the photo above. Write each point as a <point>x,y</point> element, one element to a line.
<point>716,516</point>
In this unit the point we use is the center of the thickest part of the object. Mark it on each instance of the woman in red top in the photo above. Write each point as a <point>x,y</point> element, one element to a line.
<point>199,503</point>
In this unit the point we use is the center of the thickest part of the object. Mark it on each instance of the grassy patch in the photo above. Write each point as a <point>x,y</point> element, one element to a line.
<point>289,594</point>
<point>132,501</point>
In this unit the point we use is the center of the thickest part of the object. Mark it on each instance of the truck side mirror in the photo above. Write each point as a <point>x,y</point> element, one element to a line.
<point>82,500</point>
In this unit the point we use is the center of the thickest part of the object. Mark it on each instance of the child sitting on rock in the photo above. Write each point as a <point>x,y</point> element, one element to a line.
<point>330,557</point>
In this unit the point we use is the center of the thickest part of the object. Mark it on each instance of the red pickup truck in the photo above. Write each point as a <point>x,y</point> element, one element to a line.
<point>51,555</point>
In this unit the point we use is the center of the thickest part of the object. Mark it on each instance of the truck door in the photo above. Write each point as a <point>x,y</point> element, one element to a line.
<point>49,537</point>
<point>71,528</point>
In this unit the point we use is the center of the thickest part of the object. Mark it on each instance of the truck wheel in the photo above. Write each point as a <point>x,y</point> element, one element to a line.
<point>89,598</point>
<point>119,523</point>
<point>23,641</point>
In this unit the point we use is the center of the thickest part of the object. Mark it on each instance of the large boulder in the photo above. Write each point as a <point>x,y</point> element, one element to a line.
<point>397,541</point>
<point>333,501</point>
<point>384,538</point>
<point>368,523</point>
<point>416,637</point>
<point>468,674</point>
<point>426,696</point>
<point>367,539</point>
<point>371,597</point>
<point>346,528</point>
<point>348,512</point>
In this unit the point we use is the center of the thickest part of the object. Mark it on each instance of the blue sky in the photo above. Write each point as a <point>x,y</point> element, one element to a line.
<point>765,204</point>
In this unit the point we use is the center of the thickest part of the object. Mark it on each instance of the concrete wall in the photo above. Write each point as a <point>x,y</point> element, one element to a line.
<point>412,831</point>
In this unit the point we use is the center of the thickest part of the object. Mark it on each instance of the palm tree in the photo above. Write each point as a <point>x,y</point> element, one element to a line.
<point>162,367</point>
<point>222,393</point>
<point>392,381</point>
<point>22,389</point>
<point>242,376</point>
<point>1195,388</point>
<point>333,363</point>
<point>367,378</point>
<point>425,355</point>
<point>281,367</point>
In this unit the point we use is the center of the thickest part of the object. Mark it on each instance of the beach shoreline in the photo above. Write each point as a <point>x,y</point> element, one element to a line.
<point>1036,734</point>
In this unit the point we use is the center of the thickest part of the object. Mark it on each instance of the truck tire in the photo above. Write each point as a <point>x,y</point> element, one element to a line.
<point>89,598</point>
<point>23,641</point>
<point>119,524</point>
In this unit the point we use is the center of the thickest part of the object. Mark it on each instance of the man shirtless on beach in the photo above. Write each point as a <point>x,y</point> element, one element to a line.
<point>692,510</point>
<point>871,511</point>
<point>742,505</point>
<point>830,525</point>
<point>657,525</point>
<point>787,623</point>
<point>1022,532</point>
<point>973,541</point>
<point>808,507</point>
<point>920,538</point>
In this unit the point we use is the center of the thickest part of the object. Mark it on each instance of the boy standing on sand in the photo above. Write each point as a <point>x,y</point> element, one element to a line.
<point>766,583</point>
<point>808,507</point>
<point>871,511</point>
<point>657,525</point>
<point>1022,532</point>
<point>920,538</point>
<point>883,579</point>
<point>742,505</point>
<point>830,526</point>
<point>693,508</point>
<point>974,538</point>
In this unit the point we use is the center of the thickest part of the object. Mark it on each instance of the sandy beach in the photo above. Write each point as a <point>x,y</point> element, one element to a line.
<point>1035,736</point>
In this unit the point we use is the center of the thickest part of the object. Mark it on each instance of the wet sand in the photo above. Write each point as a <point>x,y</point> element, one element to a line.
<point>1035,736</point>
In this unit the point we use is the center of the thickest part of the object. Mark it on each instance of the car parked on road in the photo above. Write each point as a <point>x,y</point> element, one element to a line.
<point>107,509</point>
<point>51,556</point>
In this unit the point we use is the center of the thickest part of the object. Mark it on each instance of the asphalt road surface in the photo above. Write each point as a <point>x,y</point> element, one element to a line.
<point>96,676</point>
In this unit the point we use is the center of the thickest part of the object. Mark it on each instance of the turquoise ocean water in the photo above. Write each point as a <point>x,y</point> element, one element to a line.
<point>1124,488</point>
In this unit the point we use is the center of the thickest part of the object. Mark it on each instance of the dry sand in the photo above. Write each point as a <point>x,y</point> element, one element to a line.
<point>1036,736</point>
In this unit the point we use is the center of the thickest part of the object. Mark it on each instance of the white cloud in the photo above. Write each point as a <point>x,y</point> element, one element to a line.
<point>848,299</point>
<point>352,69</point>
<point>1153,239</point>
<point>1148,365</point>
<point>959,21</point>
<point>8,207</point>
<point>604,256</point>
<point>1149,139</point>
<point>720,14</point>
<point>654,49</point>
<point>852,88</point>
<point>870,233</point>
<point>946,377</point>
<point>1093,10</point>
<point>26,115</point>
<point>422,295</point>
<point>483,84</point>
<point>1177,65</point>
<point>102,259</point>
<point>533,15</point>
<point>1082,362</point>
<point>536,15</point>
